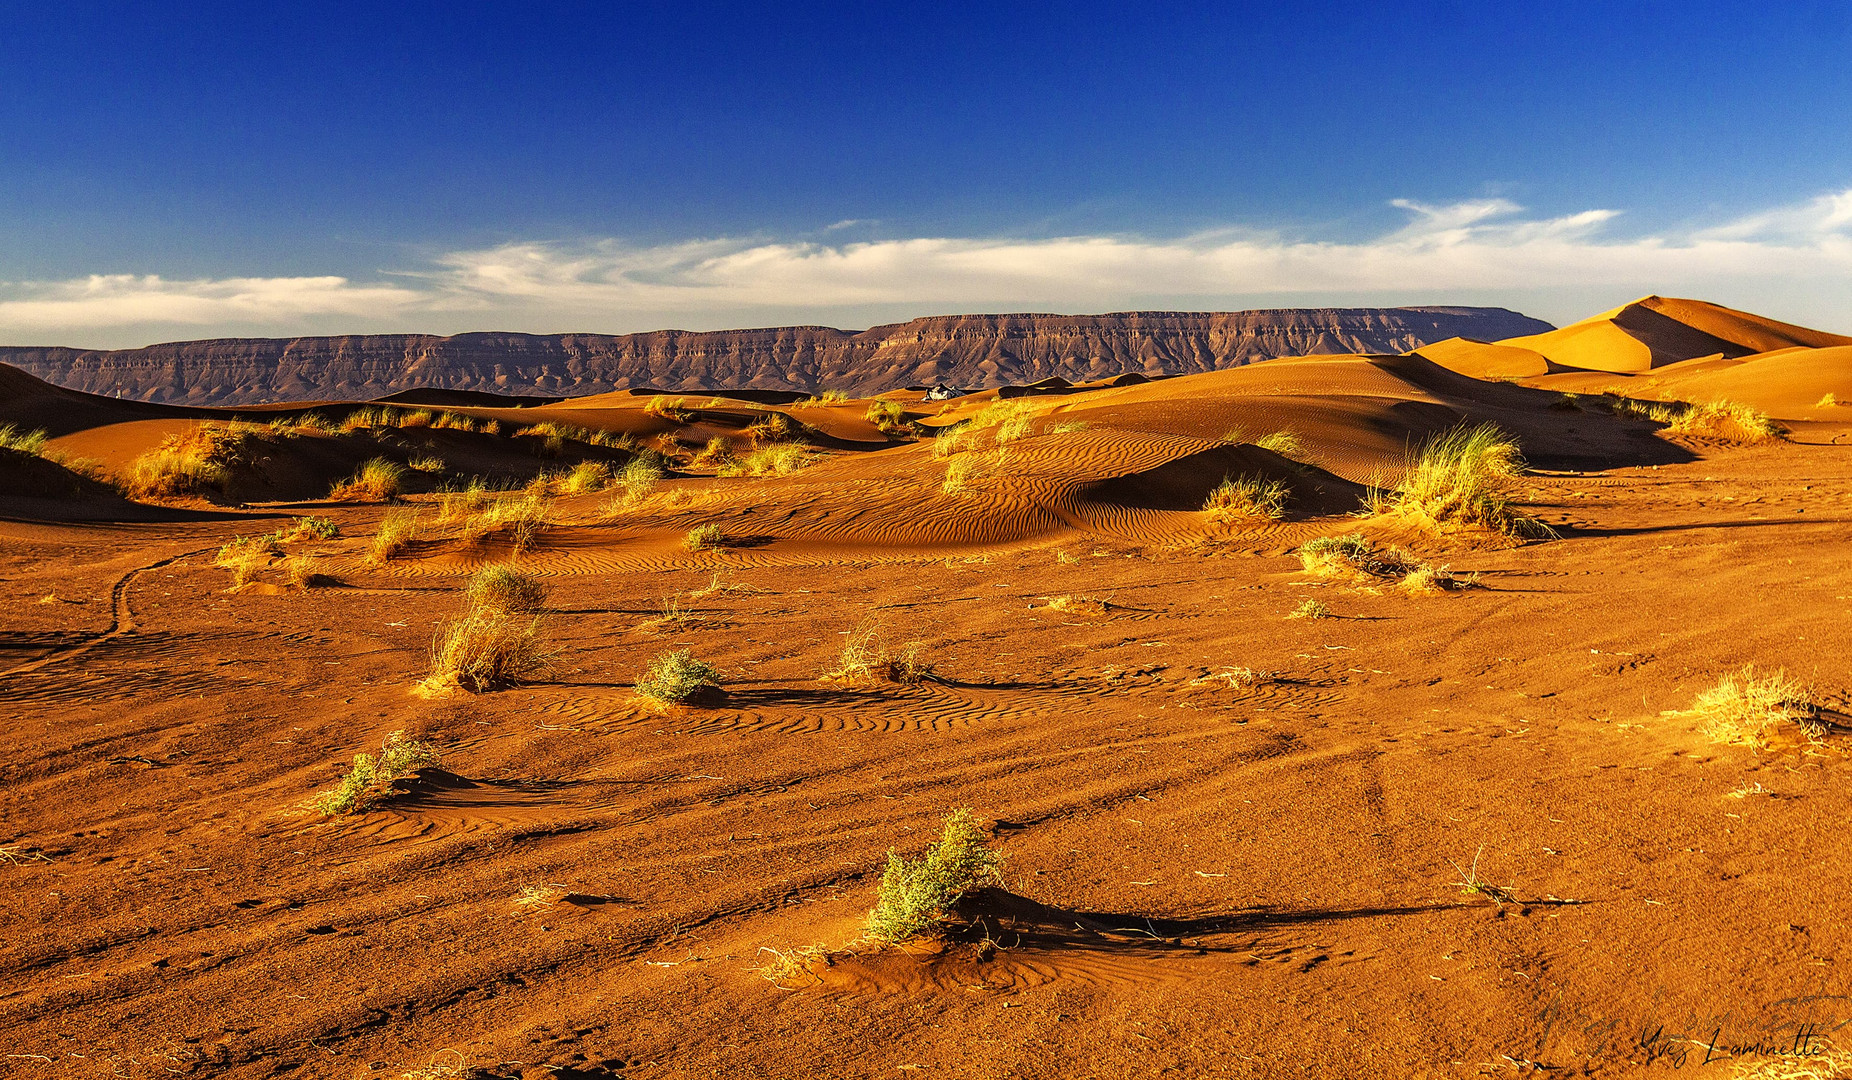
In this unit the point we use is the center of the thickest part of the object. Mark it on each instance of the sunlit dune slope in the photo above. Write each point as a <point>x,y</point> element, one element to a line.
<point>1655,331</point>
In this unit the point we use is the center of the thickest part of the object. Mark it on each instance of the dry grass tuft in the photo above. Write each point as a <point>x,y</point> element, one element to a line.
<point>1310,609</point>
<point>370,777</point>
<point>23,442</point>
<point>246,557</point>
<point>396,532</point>
<point>773,459</point>
<point>792,969</point>
<point>675,677</point>
<point>664,407</point>
<point>889,417</point>
<point>914,894</point>
<point>503,588</point>
<point>488,648</point>
<point>1827,401</point>
<point>586,477</point>
<point>1078,605</point>
<point>189,464</point>
<point>1465,477</point>
<point>959,474</point>
<point>709,537</point>
<point>377,480</point>
<point>299,573</point>
<point>538,897</point>
<point>866,657</point>
<point>1729,420</point>
<point>1745,709</point>
<point>1284,443</point>
<point>1246,498</point>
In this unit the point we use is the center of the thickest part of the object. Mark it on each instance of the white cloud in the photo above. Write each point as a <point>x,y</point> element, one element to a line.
<point>103,300</point>
<point>1479,251</point>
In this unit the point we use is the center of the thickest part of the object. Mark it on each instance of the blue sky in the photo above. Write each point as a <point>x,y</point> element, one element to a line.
<point>179,171</point>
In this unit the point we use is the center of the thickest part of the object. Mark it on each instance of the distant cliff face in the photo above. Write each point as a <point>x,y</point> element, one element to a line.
<point>967,351</point>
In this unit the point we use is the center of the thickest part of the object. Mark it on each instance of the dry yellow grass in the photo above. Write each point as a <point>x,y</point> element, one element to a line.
<point>189,464</point>
<point>377,480</point>
<point>1466,477</point>
<point>1246,498</point>
<point>1746,709</point>
<point>395,533</point>
<point>1729,420</point>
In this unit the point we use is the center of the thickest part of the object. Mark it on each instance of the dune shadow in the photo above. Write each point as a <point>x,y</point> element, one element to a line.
<point>1569,531</point>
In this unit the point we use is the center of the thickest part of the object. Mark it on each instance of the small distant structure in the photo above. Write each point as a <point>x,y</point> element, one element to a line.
<point>943,392</point>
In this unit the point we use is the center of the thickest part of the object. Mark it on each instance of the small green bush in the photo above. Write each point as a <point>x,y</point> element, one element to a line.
<point>915,893</point>
<point>369,778</point>
<point>675,677</point>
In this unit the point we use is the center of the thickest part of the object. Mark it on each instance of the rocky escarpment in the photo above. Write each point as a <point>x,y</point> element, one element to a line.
<point>961,350</point>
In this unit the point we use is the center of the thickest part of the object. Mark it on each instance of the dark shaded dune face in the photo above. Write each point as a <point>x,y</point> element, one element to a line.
<point>1184,483</point>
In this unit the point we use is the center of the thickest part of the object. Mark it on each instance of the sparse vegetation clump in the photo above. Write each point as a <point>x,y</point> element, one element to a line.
<point>866,657</point>
<point>1351,557</point>
<point>299,573</point>
<point>890,417</point>
<point>586,477</point>
<point>773,459</point>
<point>370,777</point>
<point>395,533</point>
<point>1336,556</point>
<point>709,537</point>
<point>1246,498</point>
<point>675,677</point>
<point>189,464</point>
<point>959,472</point>
<point>915,893</point>
<point>673,409</point>
<point>23,442</point>
<point>1284,443</point>
<point>1745,709</point>
<point>246,557</point>
<point>1465,477</point>
<point>826,397</point>
<point>1078,605</point>
<point>505,589</point>
<point>488,647</point>
<point>1827,401</point>
<point>1310,609</point>
<point>310,528</point>
<point>377,480</point>
<point>1728,420</point>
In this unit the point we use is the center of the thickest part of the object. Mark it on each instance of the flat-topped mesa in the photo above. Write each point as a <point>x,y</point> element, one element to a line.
<point>959,350</point>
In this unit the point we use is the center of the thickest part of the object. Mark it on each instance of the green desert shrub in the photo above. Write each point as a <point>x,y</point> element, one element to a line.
<point>675,677</point>
<point>369,779</point>
<point>915,893</point>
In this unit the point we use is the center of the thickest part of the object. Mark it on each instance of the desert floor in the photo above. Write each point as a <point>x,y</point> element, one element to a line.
<point>1202,877</point>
